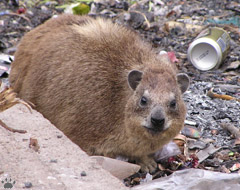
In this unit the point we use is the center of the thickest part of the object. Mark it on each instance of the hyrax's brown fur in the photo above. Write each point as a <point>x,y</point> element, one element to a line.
<point>99,83</point>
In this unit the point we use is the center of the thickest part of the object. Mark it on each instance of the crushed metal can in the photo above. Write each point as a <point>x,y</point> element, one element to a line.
<point>209,49</point>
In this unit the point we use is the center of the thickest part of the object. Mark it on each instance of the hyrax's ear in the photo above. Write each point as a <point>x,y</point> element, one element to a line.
<point>183,81</point>
<point>134,77</point>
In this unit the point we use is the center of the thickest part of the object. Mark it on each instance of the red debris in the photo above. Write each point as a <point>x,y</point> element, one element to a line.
<point>21,10</point>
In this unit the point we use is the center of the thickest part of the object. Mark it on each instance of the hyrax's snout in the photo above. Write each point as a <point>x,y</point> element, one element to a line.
<point>157,121</point>
<point>157,118</point>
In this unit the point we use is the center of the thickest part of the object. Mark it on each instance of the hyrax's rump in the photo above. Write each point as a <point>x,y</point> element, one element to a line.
<point>99,83</point>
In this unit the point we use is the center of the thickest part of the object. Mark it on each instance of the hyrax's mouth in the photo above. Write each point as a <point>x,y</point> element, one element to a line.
<point>154,130</point>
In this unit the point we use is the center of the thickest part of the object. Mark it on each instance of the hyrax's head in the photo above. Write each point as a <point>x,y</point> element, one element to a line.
<point>156,110</point>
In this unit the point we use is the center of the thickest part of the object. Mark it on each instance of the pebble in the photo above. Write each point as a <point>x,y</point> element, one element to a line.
<point>53,161</point>
<point>28,184</point>
<point>59,136</point>
<point>212,12</point>
<point>83,173</point>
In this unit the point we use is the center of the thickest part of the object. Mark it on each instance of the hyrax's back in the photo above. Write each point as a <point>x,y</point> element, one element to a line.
<point>83,74</point>
<point>74,70</point>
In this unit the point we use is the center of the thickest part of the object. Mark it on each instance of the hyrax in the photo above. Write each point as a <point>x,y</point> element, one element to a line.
<point>99,83</point>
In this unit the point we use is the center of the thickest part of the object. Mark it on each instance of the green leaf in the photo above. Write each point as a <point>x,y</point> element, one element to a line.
<point>231,154</point>
<point>81,9</point>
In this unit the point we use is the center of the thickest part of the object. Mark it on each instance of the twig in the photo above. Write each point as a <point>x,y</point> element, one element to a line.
<point>232,129</point>
<point>211,94</point>
<point>22,16</point>
<point>11,129</point>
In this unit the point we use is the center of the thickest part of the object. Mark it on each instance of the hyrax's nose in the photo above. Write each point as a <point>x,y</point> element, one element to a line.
<point>158,122</point>
<point>157,118</point>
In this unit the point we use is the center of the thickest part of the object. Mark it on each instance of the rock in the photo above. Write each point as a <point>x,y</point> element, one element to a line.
<point>25,165</point>
<point>28,185</point>
<point>117,168</point>
<point>83,173</point>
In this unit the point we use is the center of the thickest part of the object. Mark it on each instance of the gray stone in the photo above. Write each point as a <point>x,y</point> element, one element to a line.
<point>23,164</point>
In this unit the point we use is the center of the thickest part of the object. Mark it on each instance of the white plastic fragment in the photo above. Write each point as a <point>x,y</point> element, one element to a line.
<point>194,179</point>
<point>187,122</point>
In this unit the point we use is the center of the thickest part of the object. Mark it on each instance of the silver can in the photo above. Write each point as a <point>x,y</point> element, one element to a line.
<point>209,49</point>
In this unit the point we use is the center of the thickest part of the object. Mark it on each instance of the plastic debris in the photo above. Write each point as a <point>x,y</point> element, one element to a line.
<point>171,55</point>
<point>148,178</point>
<point>194,179</point>
<point>168,150</point>
<point>5,61</point>
<point>196,144</point>
<point>232,20</point>
<point>191,132</point>
<point>235,167</point>
<point>187,122</point>
<point>205,153</point>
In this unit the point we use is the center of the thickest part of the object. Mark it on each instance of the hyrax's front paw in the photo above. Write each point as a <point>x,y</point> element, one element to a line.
<point>148,165</point>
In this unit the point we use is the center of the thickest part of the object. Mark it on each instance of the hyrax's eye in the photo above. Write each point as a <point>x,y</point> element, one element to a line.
<point>143,101</point>
<point>173,104</point>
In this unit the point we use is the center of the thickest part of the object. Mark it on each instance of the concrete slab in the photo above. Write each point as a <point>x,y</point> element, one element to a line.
<point>58,164</point>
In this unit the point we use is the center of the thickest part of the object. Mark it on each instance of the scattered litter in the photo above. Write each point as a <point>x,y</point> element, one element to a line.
<point>5,61</point>
<point>180,140</point>
<point>205,153</point>
<point>209,49</point>
<point>187,122</point>
<point>193,179</point>
<point>227,21</point>
<point>148,178</point>
<point>196,144</point>
<point>211,94</point>
<point>235,167</point>
<point>168,150</point>
<point>192,132</point>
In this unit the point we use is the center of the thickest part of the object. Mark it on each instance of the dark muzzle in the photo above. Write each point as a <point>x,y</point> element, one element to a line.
<point>157,119</point>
